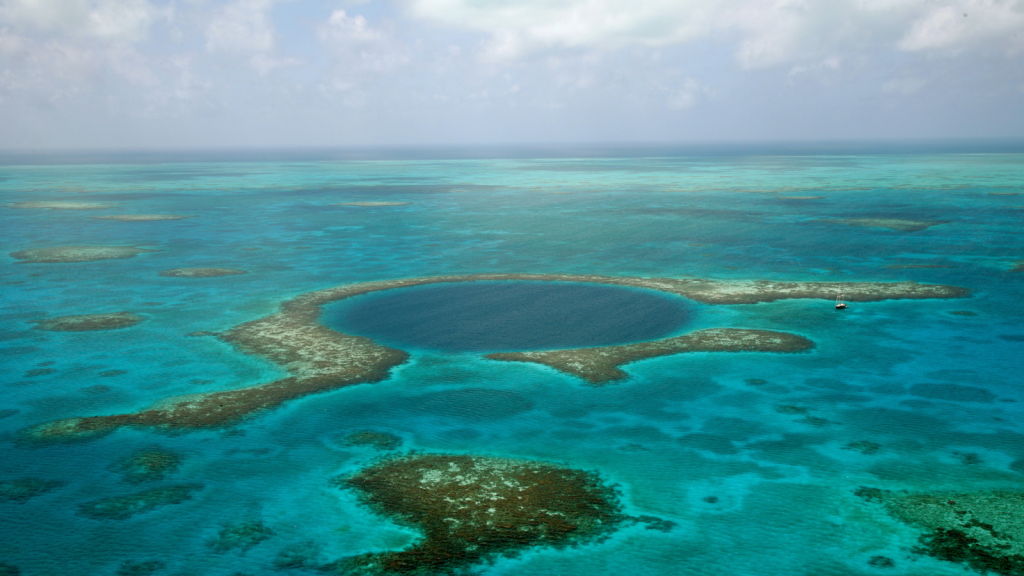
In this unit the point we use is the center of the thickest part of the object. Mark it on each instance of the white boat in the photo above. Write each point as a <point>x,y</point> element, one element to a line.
<point>839,299</point>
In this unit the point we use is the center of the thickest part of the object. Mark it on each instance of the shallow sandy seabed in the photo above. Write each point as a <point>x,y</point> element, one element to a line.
<point>89,322</point>
<point>319,359</point>
<point>372,204</point>
<point>61,205</point>
<point>73,254</point>
<point>897,224</point>
<point>201,272</point>
<point>141,217</point>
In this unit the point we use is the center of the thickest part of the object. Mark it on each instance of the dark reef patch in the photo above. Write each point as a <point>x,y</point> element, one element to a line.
<point>201,272</point>
<point>374,439</point>
<point>472,508</point>
<point>33,372</point>
<point>9,569</point>
<point>22,490</point>
<point>240,536</point>
<point>73,254</point>
<point>952,393</point>
<point>962,313</point>
<point>149,464</point>
<point>982,530</point>
<point>865,447</point>
<point>143,568</point>
<point>124,507</point>
<point>112,373</point>
<point>89,322</point>
<point>8,412</point>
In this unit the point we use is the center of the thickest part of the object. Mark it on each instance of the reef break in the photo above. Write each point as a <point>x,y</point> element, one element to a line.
<point>89,322</point>
<point>49,205</point>
<point>601,365</point>
<point>319,359</point>
<point>142,217</point>
<point>472,508</point>
<point>72,254</point>
<point>372,204</point>
<point>201,272</point>
<point>897,224</point>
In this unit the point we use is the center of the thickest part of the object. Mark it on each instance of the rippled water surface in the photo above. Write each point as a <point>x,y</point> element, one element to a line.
<point>754,457</point>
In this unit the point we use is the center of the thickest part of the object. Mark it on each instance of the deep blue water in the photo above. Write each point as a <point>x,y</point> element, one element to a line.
<point>745,452</point>
<point>509,316</point>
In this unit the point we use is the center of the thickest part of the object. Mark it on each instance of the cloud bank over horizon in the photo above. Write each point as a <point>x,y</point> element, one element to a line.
<point>186,73</point>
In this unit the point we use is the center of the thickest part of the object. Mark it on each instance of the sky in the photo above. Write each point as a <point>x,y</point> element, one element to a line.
<point>154,74</point>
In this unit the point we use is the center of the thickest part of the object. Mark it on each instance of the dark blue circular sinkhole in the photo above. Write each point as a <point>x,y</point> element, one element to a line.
<point>509,316</point>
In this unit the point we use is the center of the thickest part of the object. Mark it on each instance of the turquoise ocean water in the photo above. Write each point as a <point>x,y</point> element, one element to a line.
<point>754,486</point>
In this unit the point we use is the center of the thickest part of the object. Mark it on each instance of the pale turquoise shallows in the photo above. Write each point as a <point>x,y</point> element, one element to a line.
<point>745,452</point>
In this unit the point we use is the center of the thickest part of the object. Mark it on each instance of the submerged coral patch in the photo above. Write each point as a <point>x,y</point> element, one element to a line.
<point>240,536</point>
<point>981,530</point>
<point>44,205</point>
<point>472,508</point>
<point>73,254</point>
<point>374,439</point>
<point>142,217</point>
<point>89,322</point>
<point>897,224</point>
<point>601,365</point>
<point>22,490</point>
<point>201,272</point>
<point>149,464</point>
<point>372,204</point>
<point>124,507</point>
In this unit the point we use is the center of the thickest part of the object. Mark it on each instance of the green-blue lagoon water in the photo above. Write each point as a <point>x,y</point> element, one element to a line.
<point>752,460</point>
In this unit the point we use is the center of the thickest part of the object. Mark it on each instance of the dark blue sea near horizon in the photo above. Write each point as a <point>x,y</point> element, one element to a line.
<point>747,454</point>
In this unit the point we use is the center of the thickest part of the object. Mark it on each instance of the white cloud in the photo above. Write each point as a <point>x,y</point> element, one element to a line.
<point>964,24</point>
<point>764,32</point>
<point>112,20</point>
<point>242,27</point>
<point>358,47</point>
<point>687,94</point>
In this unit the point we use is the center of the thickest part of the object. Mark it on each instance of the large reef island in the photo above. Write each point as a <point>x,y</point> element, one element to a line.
<point>473,508</point>
<point>319,359</point>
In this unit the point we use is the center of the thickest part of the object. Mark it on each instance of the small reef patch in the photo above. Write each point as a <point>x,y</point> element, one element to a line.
<point>473,508</point>
<point>983,531</point>
<point>148,465</point>
<point>241,537</point>
<point>897,224</point>
<point>142,217</point>
<point>89,322</point>
<point>73,254</point>
<point>22,490</point>
<point>373,439</point>
<point>601,365</point>
<point>124,507</point>
<point>143,568</point>
<point>319,359</point>
<point>201,272</point>
<point>372,204</point>
<point>60,205</point>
